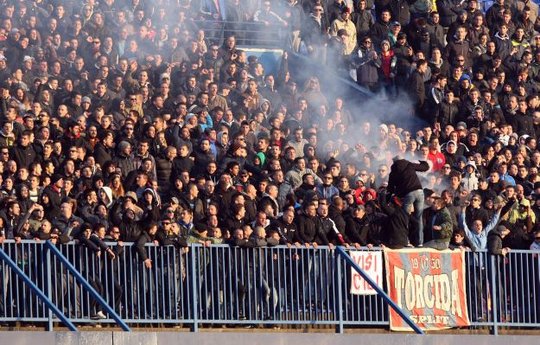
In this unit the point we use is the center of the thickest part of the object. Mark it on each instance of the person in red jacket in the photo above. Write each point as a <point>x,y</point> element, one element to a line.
<point>435,155</point>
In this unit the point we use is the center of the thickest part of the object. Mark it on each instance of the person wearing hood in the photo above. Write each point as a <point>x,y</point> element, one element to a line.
<point>521,219</point>
<point>469,180</point>
<point>265,108</point>
<point>222,144</point>
<point>503,42</point>
<point>363,19</point>
<point>124,158</point>
<point>450,153</point>
<point>126,215</point>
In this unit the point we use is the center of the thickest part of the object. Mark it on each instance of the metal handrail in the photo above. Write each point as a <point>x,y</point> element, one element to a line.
<point>87,285</point>
<point>247,33</point>
<point>37,291</point>
<point>229,285</point>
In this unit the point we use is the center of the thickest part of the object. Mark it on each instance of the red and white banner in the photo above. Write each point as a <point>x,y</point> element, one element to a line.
<point>429,286</point>
<point>372,264</point>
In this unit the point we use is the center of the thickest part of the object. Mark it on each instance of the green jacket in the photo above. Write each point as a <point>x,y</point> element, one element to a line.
<point>443,219</point>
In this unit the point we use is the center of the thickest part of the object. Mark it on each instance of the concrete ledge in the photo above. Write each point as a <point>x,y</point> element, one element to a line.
<point>252,338</point>
<point>315,339</point>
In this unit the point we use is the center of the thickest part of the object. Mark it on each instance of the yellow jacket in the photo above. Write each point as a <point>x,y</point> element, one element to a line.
<point>349,26</point>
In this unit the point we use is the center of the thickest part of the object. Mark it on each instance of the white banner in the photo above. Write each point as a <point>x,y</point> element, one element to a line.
<point>372,264</point>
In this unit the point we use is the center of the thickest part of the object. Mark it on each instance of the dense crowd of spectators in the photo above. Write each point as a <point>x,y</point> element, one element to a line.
<point>121,121</point>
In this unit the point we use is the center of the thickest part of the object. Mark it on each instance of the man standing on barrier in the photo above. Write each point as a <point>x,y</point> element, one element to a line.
<point>405,184</point>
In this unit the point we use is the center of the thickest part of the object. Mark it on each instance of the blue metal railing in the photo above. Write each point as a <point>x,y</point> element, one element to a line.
<point>81,280</point>
<point>238,286</point>
<point>19,273</point>
<point>247,33</point>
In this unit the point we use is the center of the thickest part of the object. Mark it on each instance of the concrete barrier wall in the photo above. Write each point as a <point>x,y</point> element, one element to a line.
<point>228,338</point>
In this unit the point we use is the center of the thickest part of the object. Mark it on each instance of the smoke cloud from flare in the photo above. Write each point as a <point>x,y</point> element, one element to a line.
<point>364,107</point>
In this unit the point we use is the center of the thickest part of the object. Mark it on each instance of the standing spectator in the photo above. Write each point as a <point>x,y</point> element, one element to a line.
<point>449,10</point>
<point>363,20</point>
<point>367,73</point>
<point>417,89</point>
<point>381,29</point>
<point>459,46</point>
<point>440,225</point>
<point>344,22</point>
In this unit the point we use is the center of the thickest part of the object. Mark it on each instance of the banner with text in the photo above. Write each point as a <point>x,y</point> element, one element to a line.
<point>429,286</point>
<point>372,264</point>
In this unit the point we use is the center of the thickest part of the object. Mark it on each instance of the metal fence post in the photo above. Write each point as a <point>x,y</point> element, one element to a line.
<point>340,305</point>
<point>494,291</point>
<point>48,272</point>
<point>194,288</point>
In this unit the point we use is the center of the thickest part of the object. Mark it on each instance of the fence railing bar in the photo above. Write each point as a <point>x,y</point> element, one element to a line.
<point>4,257</point>
<point>76,274</point>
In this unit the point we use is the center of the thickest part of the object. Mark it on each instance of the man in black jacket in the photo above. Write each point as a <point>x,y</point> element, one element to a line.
<point>495,247</point>
<point>55,193</point>
<point>396,229</point>
<point>495,240</point>
<point>23,154</point>
<point>147,236</point>
<point>103,151</point>
<point>357,227</point>
<point>417,89</point>
<point>404,183</point>
<point>285,227</point>
<point>309,229</point>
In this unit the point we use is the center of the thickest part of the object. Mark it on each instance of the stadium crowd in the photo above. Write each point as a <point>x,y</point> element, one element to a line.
<point>120,121</point>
